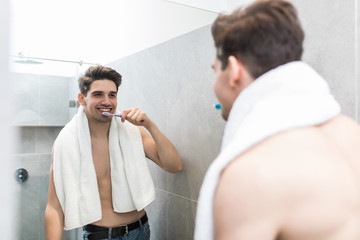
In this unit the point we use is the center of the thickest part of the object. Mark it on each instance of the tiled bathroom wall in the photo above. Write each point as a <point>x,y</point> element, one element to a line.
<point>33,153</point>
<point>40,100</point>
<point>42,109</point>
<point>172,83</point>
<point>330,46</point>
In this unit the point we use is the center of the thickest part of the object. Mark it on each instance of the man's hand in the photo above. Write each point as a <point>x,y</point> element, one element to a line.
<point>136,117</point>
<point>157,146</point>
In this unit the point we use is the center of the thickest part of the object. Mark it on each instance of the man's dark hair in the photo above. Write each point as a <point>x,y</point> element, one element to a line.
<point>264,35</point>
<point>98,73</point>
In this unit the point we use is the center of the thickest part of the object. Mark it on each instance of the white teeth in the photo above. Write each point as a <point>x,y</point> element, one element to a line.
<point>105,110</point>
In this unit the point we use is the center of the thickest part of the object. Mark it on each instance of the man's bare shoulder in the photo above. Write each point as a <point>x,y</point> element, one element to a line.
<point>247,199</point>
<point>288,157</point>
<point>261,171</point>
<point>345,131</point>
<point>281,182</point>
<point>278,154</point>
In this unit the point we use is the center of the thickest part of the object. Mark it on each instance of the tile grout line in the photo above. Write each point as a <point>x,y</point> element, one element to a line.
<point>177,195</point>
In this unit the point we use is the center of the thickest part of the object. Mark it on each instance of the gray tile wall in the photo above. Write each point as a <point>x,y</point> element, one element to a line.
<point>172,83</point>
<point>40,100</point>
<point>33,152</point>
<point>31,194</point>
<point>330,46</point>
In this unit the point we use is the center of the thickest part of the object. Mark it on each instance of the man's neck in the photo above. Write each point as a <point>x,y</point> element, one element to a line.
<point>99,129</point>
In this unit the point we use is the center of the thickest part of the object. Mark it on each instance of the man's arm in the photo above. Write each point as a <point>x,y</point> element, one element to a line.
<point>246,205</point>
<point>157,147</point>
<point>54,217</point>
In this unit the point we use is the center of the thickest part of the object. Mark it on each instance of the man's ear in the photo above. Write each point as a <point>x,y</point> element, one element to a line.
<point>239,76</point>
<point>81,99</point>
<point>235,68</point>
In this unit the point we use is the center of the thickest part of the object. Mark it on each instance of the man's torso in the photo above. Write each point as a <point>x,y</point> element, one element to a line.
<point>101,159</point>
<point>310,176</point>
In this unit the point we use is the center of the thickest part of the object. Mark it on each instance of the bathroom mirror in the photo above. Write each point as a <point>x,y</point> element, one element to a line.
<point>52,43</point>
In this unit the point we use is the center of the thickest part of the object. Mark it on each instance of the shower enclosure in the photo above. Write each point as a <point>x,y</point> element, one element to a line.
<point>44,95</point>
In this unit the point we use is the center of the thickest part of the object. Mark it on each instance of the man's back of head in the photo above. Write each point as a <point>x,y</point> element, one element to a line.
<point>264,35</point>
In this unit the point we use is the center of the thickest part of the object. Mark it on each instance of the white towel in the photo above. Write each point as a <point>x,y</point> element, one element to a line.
<point>290,96</point>
<point>75,178</point>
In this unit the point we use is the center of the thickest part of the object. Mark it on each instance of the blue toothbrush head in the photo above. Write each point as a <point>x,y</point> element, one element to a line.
<point>217,106</point>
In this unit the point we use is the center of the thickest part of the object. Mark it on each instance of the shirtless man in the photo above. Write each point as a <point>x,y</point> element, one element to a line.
<point>99,87</point>
<point>300,183</point>
<point>307,191</point>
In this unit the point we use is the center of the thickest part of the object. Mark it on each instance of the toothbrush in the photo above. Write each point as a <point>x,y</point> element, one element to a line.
<point>217,106</point>
<point>115,115</point>
<point>110,114</point>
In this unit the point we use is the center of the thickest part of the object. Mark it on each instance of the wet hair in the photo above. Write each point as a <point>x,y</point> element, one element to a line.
<point>263,35</point>
<point>98,73</point>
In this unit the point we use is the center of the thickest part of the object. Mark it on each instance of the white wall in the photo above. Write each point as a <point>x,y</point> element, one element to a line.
<point>209,5</point>
<point>218,6</point>
<point>98,31</point>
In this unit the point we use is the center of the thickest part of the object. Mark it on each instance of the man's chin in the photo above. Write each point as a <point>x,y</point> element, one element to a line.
<point>224,116</point>
<point>104,119</point>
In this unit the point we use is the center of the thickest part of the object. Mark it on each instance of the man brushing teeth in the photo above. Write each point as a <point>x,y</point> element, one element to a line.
<point>99,177</point>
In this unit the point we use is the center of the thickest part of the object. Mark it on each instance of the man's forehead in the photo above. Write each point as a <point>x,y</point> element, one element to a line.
<point>102,86</point>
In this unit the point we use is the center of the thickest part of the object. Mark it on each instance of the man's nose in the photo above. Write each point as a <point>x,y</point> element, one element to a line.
<point>106,101</point>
